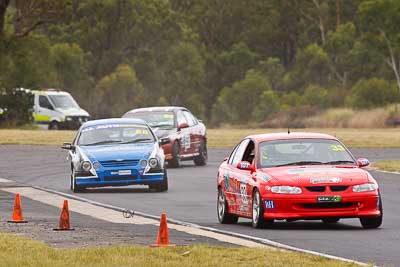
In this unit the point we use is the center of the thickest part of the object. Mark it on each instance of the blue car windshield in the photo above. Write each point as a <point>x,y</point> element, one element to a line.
<point>305,151</point>
<point>115,133</point>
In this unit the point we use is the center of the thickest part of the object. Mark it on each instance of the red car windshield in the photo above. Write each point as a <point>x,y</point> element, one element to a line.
<point>302,152</point>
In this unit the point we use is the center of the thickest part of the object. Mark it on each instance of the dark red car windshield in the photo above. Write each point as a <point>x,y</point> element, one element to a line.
<point>302,152</point>
<point>155,119</point>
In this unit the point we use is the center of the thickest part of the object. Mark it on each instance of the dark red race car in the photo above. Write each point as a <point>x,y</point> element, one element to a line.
<point>296,176</point>
<point>183,136</point>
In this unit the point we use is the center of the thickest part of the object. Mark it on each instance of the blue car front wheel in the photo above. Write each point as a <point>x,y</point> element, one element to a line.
<point>74,187</point>
<point>162,185</point>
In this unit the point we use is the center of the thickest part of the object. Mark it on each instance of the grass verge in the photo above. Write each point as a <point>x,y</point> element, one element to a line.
<point>35,137</point>
<point>365,138</point>
<point>225,137</point>
<point>388,165</point>
<point>19,251</point>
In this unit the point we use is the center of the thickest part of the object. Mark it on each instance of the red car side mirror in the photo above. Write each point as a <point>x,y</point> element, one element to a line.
<point>244,165</point>
<point>183,126</point>
<point>362,162</point>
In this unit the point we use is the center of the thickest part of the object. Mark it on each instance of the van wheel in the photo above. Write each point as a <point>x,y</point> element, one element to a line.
<point>54,126</point>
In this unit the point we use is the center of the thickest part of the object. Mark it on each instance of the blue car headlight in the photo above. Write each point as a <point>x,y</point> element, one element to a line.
<point>86,166</point>
<point>96,165</point>
<point>143,163</point>
<point>153,162</point>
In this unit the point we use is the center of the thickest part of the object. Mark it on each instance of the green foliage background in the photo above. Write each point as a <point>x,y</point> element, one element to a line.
<point>228,61</point>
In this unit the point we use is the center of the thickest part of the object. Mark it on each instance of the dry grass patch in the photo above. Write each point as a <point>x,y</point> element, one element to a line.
<point>18,251</point>
<point>367,138</point>
<point>388,165</point>
<point>224,137</point>
<point>353,118</point>
<point>35,137</point>
<point>350,118</point>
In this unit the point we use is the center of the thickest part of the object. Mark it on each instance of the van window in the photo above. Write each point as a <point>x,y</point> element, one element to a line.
<point>44,102</point>
<point>63,101</point>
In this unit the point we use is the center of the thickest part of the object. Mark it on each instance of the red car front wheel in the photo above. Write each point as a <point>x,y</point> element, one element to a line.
<point>257,218</point>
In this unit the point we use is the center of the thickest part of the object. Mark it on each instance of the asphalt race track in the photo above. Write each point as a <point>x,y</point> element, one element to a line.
<point>192,198</point>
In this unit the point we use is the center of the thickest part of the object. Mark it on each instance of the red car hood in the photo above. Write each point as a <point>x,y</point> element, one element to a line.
<point>316,175</point>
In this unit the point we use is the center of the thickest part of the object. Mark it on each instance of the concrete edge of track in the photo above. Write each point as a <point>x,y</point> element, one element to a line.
<point>214,230</point>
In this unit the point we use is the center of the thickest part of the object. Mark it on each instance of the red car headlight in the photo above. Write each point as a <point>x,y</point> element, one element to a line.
<point>365,187</point>
<point>285,189</point>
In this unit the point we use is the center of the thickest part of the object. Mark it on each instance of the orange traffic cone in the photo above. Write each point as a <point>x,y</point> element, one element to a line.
<point>162,238</point>
<point>64,224</point>
<point>17,214</point>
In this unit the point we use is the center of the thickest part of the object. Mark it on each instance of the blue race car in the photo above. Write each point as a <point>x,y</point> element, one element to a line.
<point>116,152</point>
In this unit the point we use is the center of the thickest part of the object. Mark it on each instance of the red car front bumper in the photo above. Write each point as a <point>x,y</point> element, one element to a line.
<point>307,207</point>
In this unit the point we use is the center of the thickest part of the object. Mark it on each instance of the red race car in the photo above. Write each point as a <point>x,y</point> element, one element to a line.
<point>296,176</point>
<point>182,135</point>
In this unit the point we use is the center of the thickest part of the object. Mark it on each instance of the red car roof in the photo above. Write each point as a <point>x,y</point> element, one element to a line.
<point>296,135</point>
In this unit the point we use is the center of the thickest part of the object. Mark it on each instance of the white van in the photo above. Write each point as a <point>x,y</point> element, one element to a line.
<point>57,110</point>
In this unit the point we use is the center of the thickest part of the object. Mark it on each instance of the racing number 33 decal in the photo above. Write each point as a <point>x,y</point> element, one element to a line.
<point>186,141</point>
<point>243,193</point>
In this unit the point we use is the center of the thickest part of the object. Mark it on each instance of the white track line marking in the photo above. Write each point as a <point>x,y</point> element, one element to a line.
<point>387,172</point>
<point>113,214</point>
<point>110,215</point>
<point>258,240</point>
<point>2,180</point>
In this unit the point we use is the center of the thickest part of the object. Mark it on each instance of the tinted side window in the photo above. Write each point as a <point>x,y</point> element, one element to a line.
<point>232,155</point>
<point>180,118</point>
<point>239,152</point>
<point>44,102</point>
<point>249,153</point>
<point>189,117</point>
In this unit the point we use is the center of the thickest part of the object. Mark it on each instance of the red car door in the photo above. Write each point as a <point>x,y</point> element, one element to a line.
<point>236,191</point>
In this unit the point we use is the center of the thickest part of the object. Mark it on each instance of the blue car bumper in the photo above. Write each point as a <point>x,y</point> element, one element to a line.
<point>112,178</point>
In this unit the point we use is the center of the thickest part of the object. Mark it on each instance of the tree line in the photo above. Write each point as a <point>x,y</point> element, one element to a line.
<point>228,61</point>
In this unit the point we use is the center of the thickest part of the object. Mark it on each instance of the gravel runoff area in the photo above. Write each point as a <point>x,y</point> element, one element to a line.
<point>87,230</point>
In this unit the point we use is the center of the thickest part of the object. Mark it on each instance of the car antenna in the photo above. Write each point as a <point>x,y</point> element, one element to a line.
<point>288,130</point>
